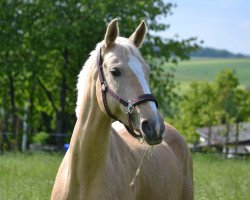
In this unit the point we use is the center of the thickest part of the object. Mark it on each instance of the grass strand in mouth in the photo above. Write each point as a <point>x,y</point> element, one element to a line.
<point>141,140</point>
<point>150,153</point>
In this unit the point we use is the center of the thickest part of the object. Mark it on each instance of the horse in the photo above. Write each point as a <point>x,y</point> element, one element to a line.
<point>108,160</point>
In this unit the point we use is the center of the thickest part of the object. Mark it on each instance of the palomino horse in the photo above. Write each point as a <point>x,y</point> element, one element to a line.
<point>103,158</point>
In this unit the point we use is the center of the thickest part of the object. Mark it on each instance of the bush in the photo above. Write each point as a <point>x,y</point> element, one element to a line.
<point>40,138</point>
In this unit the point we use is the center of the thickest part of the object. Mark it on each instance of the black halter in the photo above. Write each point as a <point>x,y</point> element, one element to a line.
<point>128,104</point>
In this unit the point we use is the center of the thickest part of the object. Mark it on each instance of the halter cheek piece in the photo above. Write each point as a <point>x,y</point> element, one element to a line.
<point>128,104</point>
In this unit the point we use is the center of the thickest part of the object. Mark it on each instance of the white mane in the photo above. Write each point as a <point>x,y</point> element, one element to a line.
<point>126,46</point>
<point>82,78</point>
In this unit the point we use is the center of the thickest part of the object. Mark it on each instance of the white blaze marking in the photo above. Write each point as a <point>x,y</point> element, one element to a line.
<point>157,128</point>
<point>136,67</point>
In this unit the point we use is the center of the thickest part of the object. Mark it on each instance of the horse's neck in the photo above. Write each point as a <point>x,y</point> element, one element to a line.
<point>89,146</point>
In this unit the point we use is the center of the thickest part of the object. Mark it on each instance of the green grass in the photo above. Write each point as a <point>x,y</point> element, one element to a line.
<point>31,177</point>
<point>221,179</point>
<point>27,176</point>
<point>205,69</point>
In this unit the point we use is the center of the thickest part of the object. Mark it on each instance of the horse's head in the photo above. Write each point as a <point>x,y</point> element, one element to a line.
<point>127,74</point>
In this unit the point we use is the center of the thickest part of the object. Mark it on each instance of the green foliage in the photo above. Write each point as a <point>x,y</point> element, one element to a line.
<point>40,138</point>
<point>243,105</point>
<point>164,87</point>
<point>225,89</point>
<point>196,110</point>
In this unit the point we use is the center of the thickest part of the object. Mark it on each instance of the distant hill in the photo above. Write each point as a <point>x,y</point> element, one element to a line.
<point>216,53</point>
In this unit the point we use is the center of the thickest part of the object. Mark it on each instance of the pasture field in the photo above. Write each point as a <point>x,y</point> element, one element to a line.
<point>216,178</point>
<point>31,176</point>
<point>27,176</point>
<point>205,69</point>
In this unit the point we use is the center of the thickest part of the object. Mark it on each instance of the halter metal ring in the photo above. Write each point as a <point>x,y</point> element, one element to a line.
<point>129,108</point>
<point>103,86</point>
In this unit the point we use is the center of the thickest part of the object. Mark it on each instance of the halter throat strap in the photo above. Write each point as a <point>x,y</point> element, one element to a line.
<point>128,104</point>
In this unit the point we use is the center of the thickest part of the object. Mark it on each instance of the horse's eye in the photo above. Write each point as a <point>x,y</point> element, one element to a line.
<point>115,72</point>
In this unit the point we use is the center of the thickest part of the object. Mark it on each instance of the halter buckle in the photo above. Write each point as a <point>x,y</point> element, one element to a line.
<point>129,108</point>
<point>104,86</point>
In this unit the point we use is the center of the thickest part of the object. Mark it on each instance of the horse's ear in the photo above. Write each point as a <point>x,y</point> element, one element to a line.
<point>111,33</point>
<point>138,36</point>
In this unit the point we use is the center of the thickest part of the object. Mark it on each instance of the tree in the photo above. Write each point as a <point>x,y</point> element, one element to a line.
<point>11,71</point>
<point>165,88</point>
<point>242,111</point>
<point>196,110</point>
<point>226,87</point>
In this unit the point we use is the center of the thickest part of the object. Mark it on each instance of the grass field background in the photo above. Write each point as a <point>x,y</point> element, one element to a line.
<point>205,69</point>
<point>31,177</point>
<point>27,176</point>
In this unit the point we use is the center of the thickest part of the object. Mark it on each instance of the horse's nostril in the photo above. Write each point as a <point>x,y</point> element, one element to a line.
<point>146,126</point>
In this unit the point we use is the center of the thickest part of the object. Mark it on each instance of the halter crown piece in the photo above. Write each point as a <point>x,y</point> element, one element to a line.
<point>128,104</point>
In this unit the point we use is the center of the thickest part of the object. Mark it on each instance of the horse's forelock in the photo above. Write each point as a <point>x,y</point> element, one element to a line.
<point>127,46</point>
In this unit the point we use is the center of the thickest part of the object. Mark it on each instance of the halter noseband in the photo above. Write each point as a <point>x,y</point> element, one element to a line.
<point>128,104</point>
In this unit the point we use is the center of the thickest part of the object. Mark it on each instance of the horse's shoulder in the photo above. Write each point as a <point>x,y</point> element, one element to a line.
<point>175,140</point>
<point>179,146</point>
<point>171,135</point>
<point>118,129</point>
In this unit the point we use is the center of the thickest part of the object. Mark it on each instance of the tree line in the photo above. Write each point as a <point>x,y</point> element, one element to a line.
<point>216,53</point>
<point>44,44</point>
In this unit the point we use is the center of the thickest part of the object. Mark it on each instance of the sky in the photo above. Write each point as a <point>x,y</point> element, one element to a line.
<point>222,24</point>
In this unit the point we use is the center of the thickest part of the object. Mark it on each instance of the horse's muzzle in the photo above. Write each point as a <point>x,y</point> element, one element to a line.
<point>152,131</point>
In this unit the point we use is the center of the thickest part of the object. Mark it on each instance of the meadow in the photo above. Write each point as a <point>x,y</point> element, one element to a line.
<point>27,176</point>
<point>205,69</point>
<point>31,176</point>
